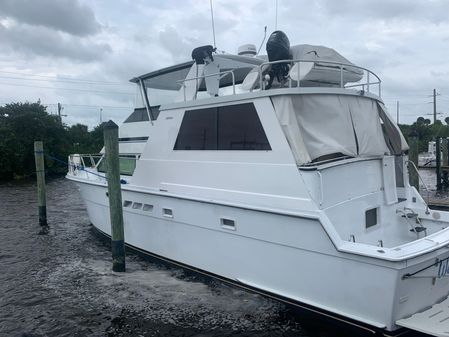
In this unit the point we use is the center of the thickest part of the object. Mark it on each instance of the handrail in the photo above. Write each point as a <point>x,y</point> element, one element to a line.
<point>424,184</point>
<point>223,73</point>
<point>340,65</point>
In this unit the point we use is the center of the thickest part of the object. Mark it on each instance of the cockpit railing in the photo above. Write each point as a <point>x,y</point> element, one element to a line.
<point>371,78</point>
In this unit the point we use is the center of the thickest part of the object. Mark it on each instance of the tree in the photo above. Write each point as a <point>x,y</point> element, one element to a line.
<point>23,123</point>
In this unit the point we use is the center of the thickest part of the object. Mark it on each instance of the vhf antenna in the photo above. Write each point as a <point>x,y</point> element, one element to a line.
<point>213,25</point>
<point>264,37</point>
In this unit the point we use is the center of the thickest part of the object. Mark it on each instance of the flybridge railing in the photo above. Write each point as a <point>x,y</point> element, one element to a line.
<point>341,73</point>
<point>220,75</point>
<point>371,79</point>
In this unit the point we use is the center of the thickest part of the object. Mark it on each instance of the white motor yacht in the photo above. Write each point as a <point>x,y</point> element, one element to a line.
<point>282,174</point>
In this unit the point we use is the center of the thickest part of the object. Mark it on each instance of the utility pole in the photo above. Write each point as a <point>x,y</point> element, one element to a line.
<point>434,105</point>
<point>397,112</point>
<point>60,115</point>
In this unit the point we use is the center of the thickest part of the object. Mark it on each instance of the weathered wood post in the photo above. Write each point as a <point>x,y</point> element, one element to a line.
<point>413,157</point>
<point>438,162</point>
<point>40,178</point>
<point>110,134</point>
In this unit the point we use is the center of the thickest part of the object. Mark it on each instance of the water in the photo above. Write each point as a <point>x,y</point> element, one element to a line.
<point>61,284</point>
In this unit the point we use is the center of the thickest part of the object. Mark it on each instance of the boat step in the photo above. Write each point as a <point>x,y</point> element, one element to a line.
<point>433,321</point>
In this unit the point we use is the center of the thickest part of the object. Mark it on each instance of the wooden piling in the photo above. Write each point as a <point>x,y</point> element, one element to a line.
<point>110,134</point>
<point>413,157</point>
<point>40,178</point>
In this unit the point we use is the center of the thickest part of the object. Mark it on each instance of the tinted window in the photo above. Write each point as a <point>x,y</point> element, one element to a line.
<point>234,127</point>
<point>198,130</point>
<point>371,217</point>
<point>240,129</point>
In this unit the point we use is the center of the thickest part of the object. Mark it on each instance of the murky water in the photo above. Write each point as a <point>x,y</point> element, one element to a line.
<point>61,284</point>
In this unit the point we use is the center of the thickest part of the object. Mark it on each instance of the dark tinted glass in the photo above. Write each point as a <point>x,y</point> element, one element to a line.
<point>233,127</point>
<point>198,130</point>
<point>239,128</point>
<point>371,217</point>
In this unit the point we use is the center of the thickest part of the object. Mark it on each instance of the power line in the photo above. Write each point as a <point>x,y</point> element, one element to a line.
<point>69,89</point>
<point>60,81</point>
<point>65,78</point>
<point>79,105</point>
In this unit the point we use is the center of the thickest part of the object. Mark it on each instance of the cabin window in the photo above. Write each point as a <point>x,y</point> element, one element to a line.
<point>127,165</point>
<point>232,127</point>
<point>371,217</point>
<point>198,130</point>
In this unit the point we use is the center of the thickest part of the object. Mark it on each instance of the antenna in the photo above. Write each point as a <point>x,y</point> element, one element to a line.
<point>276,19</point>
<point>213,24</point>
<point>264,37</point>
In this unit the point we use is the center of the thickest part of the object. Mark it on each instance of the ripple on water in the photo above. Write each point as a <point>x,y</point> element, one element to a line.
<point>61,284</point>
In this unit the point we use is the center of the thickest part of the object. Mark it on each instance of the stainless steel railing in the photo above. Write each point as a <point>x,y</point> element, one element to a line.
<point>342,67</point>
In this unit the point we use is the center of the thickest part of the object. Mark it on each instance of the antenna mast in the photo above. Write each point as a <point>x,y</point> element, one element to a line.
<point>264,37</point>
<point>213,24</point>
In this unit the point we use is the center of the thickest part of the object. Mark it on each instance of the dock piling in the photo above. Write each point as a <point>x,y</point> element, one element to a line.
<point>40,178</point>
<point>115,196</point>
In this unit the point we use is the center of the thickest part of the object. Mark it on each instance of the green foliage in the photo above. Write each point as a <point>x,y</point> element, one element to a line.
<point>425,131</point>
<point>23,123</point>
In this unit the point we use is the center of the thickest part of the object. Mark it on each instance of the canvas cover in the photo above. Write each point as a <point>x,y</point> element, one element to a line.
<point>319,125</point>
<point>321,53</point>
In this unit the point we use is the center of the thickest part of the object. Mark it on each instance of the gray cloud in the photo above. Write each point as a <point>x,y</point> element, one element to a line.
<point>421,10</point>
<point>41,41</point>
<point>179,48</point>
<point>68,16</point>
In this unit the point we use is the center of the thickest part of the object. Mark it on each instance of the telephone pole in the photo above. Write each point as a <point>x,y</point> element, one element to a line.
<point>60,115</point>
<point>434,105</point>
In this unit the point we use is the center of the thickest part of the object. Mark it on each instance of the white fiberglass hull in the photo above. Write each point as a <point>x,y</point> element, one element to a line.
<point>288,256</point>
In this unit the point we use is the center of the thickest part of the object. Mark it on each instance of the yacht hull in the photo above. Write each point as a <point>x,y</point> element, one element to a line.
<point>292,258</point>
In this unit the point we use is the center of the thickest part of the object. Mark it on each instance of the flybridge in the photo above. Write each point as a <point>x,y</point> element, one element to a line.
<point>211,74</point>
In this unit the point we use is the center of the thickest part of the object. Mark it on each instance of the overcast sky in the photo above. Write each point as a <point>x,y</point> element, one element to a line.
<point>82,53</point>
